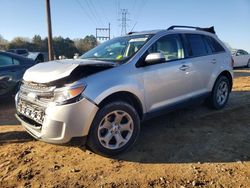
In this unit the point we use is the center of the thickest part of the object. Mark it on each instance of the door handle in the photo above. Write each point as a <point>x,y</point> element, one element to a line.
<point>213,61</point>
<point>184,67</point>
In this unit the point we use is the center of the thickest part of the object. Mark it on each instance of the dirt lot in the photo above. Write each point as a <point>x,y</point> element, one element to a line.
<point>188,148</point>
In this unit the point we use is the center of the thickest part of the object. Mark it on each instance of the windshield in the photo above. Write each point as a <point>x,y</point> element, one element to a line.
<point>118,49</point>
<point>32,55</point>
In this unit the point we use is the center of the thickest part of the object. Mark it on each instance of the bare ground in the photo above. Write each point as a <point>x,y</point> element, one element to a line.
<point>192,147</point>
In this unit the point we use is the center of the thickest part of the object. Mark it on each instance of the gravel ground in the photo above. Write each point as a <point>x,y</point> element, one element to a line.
<point>192,147</point>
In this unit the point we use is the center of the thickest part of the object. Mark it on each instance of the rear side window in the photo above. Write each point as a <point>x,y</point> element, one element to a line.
<point>214,45</point>
<point>242,52</point>
<point>22,52</point>
<point>16,62</point>
<point>197,45</point>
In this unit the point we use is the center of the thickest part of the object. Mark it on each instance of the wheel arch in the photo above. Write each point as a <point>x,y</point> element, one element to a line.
<point>125,96</point>
<point>228,75</point>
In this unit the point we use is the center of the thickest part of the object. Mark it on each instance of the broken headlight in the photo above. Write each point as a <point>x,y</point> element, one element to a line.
<point>68,94</point>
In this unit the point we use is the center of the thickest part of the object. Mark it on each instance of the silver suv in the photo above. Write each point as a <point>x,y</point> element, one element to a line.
<point>101,98</point>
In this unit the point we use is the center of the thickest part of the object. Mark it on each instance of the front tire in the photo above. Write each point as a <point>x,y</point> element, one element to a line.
<point>114,129</point>
<point>220,93</point>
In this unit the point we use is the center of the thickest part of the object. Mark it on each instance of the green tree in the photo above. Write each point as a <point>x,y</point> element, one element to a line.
<point>3,43</point>
<point>61,46</point>
<point>64,47</point>
<point>38,43</point>
<point>84,45</point>
<point>21,42</point>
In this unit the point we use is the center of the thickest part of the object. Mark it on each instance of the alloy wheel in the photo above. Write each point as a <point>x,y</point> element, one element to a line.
<point>222,93</point>
<point>115,129</point>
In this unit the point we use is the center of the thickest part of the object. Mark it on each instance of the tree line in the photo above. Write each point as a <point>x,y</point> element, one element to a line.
<point>61,46</point>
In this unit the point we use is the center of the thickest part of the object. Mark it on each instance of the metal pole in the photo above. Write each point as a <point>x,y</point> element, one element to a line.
<point>50,48</point>
<point>96,34</point>
<point>109,31</point>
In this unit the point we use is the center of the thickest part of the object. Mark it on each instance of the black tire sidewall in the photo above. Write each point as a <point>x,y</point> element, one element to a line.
<point>93,142</point>
<point>215,104</point>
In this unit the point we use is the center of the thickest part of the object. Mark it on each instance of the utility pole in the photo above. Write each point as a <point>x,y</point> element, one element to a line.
<point>124,20</point>
<point>102,33</point>
<point>50,48</point>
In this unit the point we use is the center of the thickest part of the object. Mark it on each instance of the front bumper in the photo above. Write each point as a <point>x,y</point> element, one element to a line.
<point>62,123</point>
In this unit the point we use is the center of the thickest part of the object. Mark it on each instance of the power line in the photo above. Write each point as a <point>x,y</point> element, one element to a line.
<point>138,13</point>
<point>92,12</point>
<point>144,2</point>
<point>102,10</point>
<point>133,6</point>
<point>88,15</point>
<point>95,10</point>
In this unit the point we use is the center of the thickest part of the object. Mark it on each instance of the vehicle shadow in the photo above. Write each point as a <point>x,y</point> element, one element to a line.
<point>195,134</point>
<point>241,72</point>
<point>15,137</point>
<point>7,112</point>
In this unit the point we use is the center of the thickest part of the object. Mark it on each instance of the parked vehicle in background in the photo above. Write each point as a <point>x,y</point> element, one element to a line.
<point>12,68</point>
<point>19,51</point>
<point>38,57</point>
<point>241,58</point>
<point>102,97</point>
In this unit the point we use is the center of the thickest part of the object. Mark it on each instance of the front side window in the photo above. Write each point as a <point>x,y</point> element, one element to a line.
<point>5,61</point>
<point>170,46</point>
<point>197,45</point>
<point>118,49</point>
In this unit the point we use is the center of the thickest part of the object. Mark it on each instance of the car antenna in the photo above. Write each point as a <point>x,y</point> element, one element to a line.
<point>133,28</point>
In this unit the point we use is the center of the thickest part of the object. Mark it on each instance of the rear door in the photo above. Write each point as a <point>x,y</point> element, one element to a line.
<point>205,55</point>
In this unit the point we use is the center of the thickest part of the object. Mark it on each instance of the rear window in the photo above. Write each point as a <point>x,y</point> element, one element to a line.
<point>197,45</point>
<point>214,45</point>
<point>22,51</point>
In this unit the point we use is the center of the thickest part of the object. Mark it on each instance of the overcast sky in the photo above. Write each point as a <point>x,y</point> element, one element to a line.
<point>77,18</point>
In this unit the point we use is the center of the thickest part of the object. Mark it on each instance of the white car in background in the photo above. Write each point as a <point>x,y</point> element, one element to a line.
<point>241,58</point>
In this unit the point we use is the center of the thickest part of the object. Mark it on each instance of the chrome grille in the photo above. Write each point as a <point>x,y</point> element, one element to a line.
<point>37,93</point>
<point>33,99</point>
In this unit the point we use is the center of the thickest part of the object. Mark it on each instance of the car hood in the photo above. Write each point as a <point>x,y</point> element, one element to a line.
<point>55,70</point>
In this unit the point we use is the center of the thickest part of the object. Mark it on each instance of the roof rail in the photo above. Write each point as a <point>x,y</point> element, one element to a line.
<point>207,29</point>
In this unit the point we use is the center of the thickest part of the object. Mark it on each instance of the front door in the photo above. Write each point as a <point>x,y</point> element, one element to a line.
<point>9,71</point>
<point>168,82</point>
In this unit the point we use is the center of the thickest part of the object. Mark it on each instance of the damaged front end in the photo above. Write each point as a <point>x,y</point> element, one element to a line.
<point>45,98</point>
<point>54,83</point>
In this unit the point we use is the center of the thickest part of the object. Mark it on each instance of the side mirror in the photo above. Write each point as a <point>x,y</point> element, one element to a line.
<point>155,58</point>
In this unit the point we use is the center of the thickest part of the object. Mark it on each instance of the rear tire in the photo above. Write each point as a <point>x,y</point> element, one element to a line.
<point>114,129</point>
<point>220,93</point>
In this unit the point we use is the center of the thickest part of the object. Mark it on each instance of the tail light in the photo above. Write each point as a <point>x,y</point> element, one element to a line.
<point>232,62</point>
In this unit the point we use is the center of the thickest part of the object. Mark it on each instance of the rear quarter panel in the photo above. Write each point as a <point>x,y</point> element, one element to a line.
<point>223,64</point>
